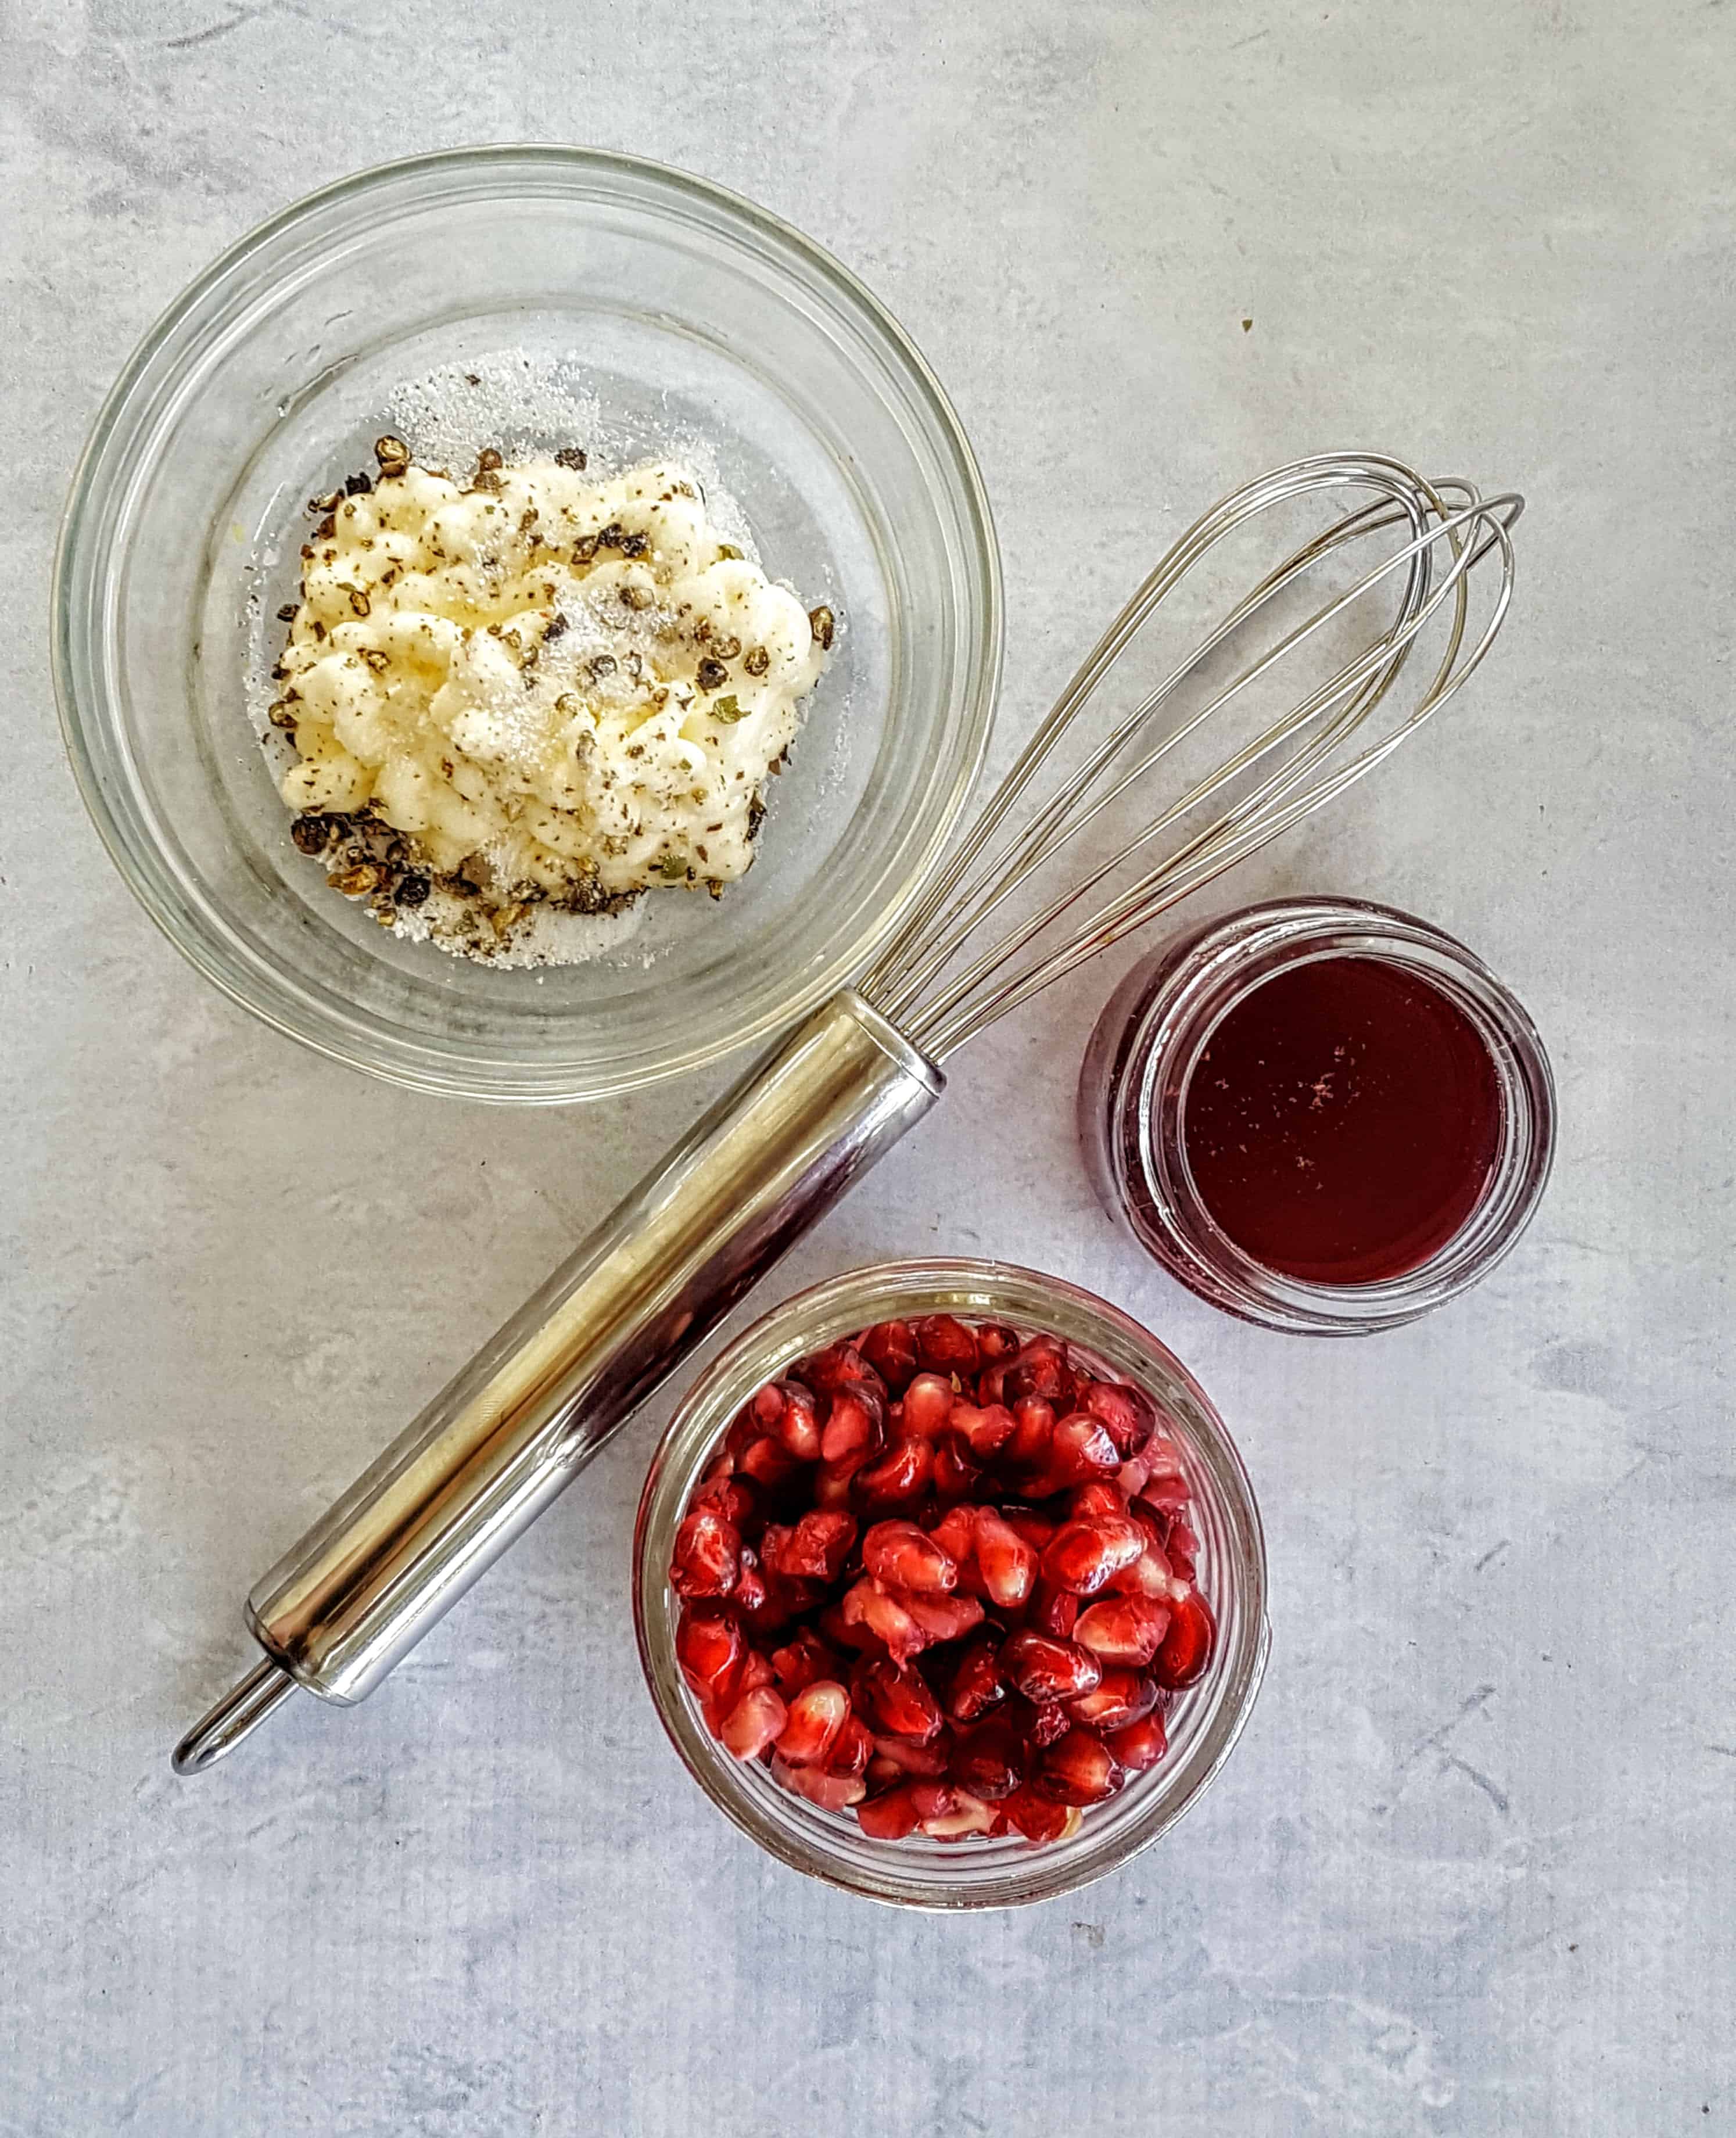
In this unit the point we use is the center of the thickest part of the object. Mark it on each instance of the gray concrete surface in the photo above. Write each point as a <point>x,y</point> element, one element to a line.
<point>1470,1871</point>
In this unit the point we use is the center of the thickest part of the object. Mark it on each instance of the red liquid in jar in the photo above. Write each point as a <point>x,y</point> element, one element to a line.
<point>1344,1121</point>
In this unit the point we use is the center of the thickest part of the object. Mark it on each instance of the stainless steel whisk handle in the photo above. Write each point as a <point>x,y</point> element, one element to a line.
<point>532,1407</point>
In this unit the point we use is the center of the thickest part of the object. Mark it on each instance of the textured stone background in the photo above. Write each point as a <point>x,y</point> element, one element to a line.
<point>1471,1869</point>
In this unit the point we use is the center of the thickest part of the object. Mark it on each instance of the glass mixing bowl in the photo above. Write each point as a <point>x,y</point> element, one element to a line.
<point>1204,1722</point>
<point>679,312</point>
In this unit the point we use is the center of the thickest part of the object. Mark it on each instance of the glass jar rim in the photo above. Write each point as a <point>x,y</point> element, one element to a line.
<point>1211,1716</point>
<point>1206,976</point>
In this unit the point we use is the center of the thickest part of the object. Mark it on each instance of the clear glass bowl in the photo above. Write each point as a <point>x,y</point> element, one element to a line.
<point>1133,1088</point>
<point>686,313</point>
<point>1204,1721</point>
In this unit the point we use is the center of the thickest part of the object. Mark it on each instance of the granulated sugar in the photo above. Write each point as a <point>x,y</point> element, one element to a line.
<point>522,403</point>
<point>519,403</point>
<point>546,934</point>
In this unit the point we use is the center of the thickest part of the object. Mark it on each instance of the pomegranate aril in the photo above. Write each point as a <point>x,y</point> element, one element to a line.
<point>826,1372</point>
<point>753,1722</point>
<point>707,1556</point>
<point>904,1557</point>
<point>767,1462</point>
<point>1080,1450</point>
<point>815,1549</point>
<point>1182,1547</point>
<point>1162,1456</point>
<point>896,1478</point>
<point>1127,1415</point>
<point>957,1472</point>
<point>942,1617</point>
<point>1039,1369</point>
<point>853,1425</point>
<point>1006,1562</point>
<point>1166,1497</point>
<point>890,1347</point>
<point>989,1761</point>
<point>816,1715</point>
<point>797,1424</point>
<point>751,1595</point>
<point>1038,1817</point>
<point>984,1432</point>
<point>977,1683</point>
<point>1130,1478</point>
<point>1042,1668</point>
<point>956,1533</point>
<point>726,1495</point>
<point>852,1749</point>
<point>996,1343</point>
<point>769,1405</point>
<point>1148,1575</point>
<point>1052,1609</point>
<point>802,1661</point>
<point>946,1346</point>
<point>817,1546</point>
<point>870,1604</point>
<point>710,1647</point>
<point>933,1799</point>
<point>1033,1429</point>
<point>1186,1646</point>
<point>1044,1723</point>
<point>969,1815</point>
<point>1083,1554</point>
<point>781,1601</point>
<point>1079,1770</point>
<point>928,1761</point>
<point>756,1671</point>
<point>896,1701</point>
<point>1119,1696</point>
<point>1036,1529</point>
<point>1138,1746</point>
<point>888,1817</point>
<point>846,1630</point>
<point>833,1480</point>
<point>1097,1498</point>
<point>1155,1526</point>
<point>1122,1629</point>
<point>830,1792</point>
<point>928,1406</point>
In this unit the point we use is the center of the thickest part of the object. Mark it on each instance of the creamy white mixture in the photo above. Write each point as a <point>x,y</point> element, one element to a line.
<point>552,687</point>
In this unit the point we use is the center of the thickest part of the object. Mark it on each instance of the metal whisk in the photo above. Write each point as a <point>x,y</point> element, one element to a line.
<point>910,983</point>
<point>521,1420</point>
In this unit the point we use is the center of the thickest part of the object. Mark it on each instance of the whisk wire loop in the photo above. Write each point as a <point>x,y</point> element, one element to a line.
<point>910,982</point>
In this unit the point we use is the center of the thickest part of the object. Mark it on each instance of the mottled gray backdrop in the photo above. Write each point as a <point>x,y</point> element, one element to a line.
<point>1470,1871</point>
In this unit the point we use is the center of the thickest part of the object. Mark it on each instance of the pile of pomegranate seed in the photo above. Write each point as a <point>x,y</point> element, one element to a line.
<point>943,1573</point>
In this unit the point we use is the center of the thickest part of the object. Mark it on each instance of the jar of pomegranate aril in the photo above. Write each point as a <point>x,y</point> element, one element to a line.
<point>1225,1561</point>
<point>1320,1114</point>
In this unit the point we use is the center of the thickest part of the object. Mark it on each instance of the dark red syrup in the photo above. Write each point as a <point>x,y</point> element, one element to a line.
<point>1342,1123</point>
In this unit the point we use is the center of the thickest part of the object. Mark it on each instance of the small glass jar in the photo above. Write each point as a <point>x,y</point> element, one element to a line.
<point>1203,1723</point>
<point>1134,1087</point>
